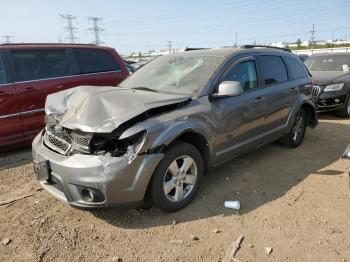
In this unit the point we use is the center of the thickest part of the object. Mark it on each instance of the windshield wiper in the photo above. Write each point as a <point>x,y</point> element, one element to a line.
<point>146,89</point>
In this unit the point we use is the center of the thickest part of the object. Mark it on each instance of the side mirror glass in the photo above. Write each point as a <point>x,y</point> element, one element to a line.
<point>229,88</point>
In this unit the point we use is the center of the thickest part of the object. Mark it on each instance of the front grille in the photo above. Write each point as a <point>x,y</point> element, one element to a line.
<point>65,141</point>
<point>316,90</point>
<point>81,140</point>
<point>56,143</point>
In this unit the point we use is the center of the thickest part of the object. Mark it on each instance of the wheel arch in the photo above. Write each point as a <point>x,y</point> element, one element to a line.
<point>311,114</point>
<point>198,141</point>
<point>309,108</point>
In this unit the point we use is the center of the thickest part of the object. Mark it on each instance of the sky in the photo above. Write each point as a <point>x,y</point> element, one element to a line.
<point>133,26</point>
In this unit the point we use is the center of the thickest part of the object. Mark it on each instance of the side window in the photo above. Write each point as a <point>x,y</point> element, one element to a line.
<point>40,64</point>
<point>295,68</point>
<point>2,72</point>
<point>273,69</point>
<point>245,73</point>
<point>95,60</point>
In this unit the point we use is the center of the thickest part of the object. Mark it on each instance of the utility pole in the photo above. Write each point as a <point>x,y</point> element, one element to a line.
<point>312,36</point>
<point>70,27</point>
<point>236,43</point>
<point>7,38</point>
<point>332,38</point>
<point>96,29</point>
<point>169,45</point>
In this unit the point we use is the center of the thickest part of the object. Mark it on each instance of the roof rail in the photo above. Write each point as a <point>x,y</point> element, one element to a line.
<point>4,44</point>
<point>266,46</point>
<point>195,48</point>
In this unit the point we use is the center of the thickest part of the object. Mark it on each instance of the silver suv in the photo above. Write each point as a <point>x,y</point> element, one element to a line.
<point>154,136</point>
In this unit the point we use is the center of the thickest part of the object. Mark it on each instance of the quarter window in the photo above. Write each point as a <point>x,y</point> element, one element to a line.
<point>245,73</point>
<point>95,60</point>
<point>2,73</point>
<point>273,69</point>
<point>40,64</point>
<point>296,69</point>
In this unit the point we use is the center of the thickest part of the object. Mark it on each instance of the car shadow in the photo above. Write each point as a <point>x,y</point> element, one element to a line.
<point>330,116</point>
<point>15,158</point>
<point>255,179</point>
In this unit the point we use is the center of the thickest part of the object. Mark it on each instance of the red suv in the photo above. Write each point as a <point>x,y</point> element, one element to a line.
<point>29,72</point>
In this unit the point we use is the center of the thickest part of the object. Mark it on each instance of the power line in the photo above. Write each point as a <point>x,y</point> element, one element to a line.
<point>96,29</point>
<point>71,30</point>
<point>7,38</point>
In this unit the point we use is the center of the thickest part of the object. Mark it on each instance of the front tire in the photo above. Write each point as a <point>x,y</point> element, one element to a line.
<point>297,132</point>
<point>177,178</point>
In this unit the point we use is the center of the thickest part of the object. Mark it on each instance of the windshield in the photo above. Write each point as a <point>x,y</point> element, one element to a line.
<point>328,63</point>
<point>176,74</point>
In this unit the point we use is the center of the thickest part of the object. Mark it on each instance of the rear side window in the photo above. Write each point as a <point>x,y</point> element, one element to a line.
<point>2,72</point>
<point>95,60</point>
<point>296,69</point>
<point>40,64</point>
<point>245,73</point>
<point>273,69</point>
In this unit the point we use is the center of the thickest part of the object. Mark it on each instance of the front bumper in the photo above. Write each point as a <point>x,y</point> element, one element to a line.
<point>329,101</point>
<point>117,181</point>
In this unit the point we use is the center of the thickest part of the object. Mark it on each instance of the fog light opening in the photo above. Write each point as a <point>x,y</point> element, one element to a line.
<point>88,195</point>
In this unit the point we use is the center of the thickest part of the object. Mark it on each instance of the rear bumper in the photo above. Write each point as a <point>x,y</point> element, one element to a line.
<point>115,181</point>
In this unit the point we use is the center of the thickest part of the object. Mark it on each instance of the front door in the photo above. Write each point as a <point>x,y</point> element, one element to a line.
<point>239,119</point>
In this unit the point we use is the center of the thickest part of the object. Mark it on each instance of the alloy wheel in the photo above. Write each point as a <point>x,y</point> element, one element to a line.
<point>298,127</point>
<point>180,178</point>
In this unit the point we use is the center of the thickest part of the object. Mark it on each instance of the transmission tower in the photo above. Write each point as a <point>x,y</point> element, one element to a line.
<point>170,44</point>
<point>7,38</point>
<point>71,30</point>
<point>96,29</point>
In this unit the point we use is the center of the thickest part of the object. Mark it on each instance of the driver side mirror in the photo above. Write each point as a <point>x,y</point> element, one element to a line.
<point>229,88</point>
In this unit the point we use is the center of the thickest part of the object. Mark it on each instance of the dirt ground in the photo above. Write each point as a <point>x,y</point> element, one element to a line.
<point>295,201</point>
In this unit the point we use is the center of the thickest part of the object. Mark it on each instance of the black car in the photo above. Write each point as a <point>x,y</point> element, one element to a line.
<point>331,77</point>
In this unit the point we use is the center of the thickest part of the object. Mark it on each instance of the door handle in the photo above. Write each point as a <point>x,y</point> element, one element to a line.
<point>59,86</point>
<point>28,89</point>
<point>293,89</point>
<point>258,99</point>
<point>3,93</point>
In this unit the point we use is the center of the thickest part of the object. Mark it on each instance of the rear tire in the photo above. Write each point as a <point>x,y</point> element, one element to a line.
<point>297,132</point>
<point>345,111</point>
<point>177,178</point>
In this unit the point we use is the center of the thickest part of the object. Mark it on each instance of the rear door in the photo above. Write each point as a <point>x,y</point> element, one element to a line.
<point>98,67</point>
<point>240,119</point>
<point>280,91</point>
<point>10,119</point>
<point>39,73</point>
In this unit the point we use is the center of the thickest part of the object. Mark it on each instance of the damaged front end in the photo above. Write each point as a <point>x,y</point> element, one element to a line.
<point>94,150</point>
<point>69,142</point>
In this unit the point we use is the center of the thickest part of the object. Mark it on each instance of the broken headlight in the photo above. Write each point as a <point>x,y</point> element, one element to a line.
<point>128,147</point>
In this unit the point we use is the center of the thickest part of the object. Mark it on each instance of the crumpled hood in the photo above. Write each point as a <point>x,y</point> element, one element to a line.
<point>103,109</point>
<point>330,77</point>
